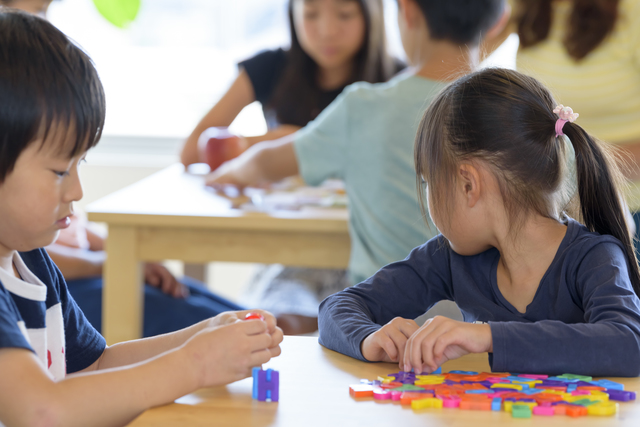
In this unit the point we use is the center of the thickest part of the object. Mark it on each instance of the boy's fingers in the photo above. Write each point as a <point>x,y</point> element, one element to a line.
<point>253,326</point>
<point>260,357</point>
<point>275,351</point>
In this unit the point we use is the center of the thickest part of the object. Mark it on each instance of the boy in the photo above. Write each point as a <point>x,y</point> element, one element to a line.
<point>51,112</point>
<point>365,137</point>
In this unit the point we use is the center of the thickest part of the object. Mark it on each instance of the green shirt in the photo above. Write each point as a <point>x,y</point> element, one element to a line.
<point>366,138</point>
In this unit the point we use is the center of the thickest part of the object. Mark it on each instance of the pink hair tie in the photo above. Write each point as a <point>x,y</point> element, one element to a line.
<point>565,115</point>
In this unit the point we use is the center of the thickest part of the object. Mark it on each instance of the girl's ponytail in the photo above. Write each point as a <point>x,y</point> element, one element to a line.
<point>600,198</point>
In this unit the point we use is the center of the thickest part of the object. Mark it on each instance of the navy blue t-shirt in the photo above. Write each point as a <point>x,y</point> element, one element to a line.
<point>584,317</point>
<point>38,313</point>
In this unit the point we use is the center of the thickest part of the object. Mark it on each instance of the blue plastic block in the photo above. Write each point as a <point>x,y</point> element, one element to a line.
<point>496,404</point>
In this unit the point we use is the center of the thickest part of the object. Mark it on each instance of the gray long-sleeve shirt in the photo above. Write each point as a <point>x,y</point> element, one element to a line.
<point>584,317</point>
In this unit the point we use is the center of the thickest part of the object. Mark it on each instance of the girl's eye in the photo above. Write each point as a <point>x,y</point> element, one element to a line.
<point>61,174</point>
<point>310,15</point>
<point>345,16</point>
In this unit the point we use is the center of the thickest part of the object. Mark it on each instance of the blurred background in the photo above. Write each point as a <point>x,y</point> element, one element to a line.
<point>166,69</point>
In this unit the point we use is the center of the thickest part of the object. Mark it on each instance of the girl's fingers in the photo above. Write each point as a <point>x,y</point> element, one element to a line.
<point>428,344</point>
<point>386,343</point>
<point>412,351</point>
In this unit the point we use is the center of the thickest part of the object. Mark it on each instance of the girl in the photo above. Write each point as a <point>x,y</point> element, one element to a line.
<point>540,292</point>
<point>333,44</point>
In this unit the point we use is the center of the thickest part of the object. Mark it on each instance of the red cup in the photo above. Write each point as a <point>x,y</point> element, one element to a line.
<point>217,145</point>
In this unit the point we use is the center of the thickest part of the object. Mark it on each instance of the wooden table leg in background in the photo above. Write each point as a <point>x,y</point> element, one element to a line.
<point>122,295</point>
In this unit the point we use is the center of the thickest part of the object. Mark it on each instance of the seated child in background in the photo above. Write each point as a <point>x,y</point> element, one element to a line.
<point>333,43</point>
<point>169,304</point>
<point>552,295</point>
<point>52,112</point>
<point>365,137</point>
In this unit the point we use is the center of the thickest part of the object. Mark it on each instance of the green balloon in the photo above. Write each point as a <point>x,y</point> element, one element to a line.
<point>119,12</point>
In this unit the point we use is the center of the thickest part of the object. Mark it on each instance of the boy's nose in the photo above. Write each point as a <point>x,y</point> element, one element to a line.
<point>74,192</point>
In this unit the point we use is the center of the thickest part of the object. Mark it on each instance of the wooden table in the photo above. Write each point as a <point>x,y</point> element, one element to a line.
<point>171,215</point>
<point>314,391</point>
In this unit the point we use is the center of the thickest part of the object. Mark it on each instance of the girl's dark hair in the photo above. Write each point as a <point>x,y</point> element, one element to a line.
<point>45,82</point>
<point>296,95</point>
<point>505,120</point>
<point>590,22</point>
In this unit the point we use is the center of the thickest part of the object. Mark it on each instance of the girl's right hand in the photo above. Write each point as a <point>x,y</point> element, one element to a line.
<point>224,354</point>
<point>388,343</point>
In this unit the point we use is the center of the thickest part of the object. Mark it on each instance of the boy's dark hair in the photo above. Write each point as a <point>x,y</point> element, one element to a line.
<point>45,81</point>
<point>505,120</point>
<point>460,21</point>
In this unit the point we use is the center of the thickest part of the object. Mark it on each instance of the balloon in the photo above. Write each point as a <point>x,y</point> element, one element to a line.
<point>119,12</point>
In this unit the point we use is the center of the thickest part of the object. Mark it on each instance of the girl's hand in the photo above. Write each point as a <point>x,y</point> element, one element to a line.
<point>441,339</point>
<point>388,343</point>
<point>224,354</point>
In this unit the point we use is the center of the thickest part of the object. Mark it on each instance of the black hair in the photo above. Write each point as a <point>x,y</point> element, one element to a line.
<point>588,25</point>
<point>506,120</point>
<point>296,96</point>
<point>45,81</point>
<point>463,22</point>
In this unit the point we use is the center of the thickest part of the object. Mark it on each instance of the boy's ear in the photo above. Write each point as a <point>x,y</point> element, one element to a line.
<point>500,24</point>
<point>410,12</point>
<point>469,179</point>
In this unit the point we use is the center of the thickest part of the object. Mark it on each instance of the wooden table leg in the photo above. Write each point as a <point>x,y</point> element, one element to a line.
<point>122,294</point>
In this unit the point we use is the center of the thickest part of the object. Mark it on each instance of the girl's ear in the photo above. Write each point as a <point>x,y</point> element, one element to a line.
<point>469,183</point>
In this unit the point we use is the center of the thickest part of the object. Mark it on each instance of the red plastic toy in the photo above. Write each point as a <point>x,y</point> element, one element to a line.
<point>250,316</point>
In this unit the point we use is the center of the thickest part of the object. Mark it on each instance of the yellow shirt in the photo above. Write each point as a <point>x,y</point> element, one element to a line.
<point>604,87</point>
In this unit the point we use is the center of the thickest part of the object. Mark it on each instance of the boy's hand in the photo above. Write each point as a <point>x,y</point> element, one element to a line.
<point>230,317</point>
<point>388,343</point>
<point>158,276</point>
<point>441,339</point>
<point>231,173</point>
<point>225,354</point>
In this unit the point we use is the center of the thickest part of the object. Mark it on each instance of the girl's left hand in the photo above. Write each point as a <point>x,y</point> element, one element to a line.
<point>441,339</point>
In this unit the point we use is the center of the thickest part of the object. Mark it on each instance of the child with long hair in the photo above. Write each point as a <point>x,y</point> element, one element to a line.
<point>539,291</point>
<point>333,43</point>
